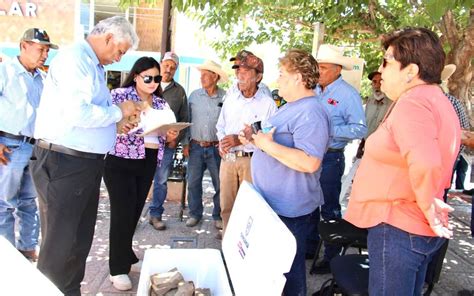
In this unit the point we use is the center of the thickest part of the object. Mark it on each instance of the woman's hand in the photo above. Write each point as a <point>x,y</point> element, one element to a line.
<point>438,218</point>
<point>261,140</point>
<point>171,135</point>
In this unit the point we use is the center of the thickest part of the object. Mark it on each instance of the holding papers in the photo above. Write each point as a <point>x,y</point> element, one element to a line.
<point>157,122</point>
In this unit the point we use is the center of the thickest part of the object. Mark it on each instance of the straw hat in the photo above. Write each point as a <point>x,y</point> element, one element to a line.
<point>332,54</point>
<point>447,72</point>
<point>216,68</point>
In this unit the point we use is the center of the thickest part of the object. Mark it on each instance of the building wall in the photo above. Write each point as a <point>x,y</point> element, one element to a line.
<point>57,17</point>
<point>149,23</point>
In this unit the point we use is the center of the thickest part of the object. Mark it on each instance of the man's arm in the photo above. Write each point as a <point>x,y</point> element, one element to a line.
<point>355,127</point>
<point>77,97</point>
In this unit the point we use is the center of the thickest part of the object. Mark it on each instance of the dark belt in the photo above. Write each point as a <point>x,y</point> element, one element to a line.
<point>332,150</point>
<point>20,138</point>
<point>243,154</point>
<point>205,144</point>
<point>61,149</point>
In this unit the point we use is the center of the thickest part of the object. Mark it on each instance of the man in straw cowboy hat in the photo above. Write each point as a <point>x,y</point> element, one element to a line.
<point>348,123</point>
<point>201,144</point>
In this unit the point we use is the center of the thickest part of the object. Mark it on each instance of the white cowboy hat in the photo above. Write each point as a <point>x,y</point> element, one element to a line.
<point>332,54</point>
<point>216,68</point>
<point>447,72</point>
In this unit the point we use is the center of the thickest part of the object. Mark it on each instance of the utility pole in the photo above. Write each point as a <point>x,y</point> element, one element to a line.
<point>318,37</point>
<point>165,35</point>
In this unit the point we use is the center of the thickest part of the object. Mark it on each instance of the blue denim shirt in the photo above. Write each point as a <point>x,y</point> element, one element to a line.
<point>204,112</point>
<point>20,93</point>
<point>76,109</point>
<point>344,105</point>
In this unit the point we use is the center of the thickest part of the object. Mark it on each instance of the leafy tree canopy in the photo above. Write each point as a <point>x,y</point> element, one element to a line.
<point>357,25</point>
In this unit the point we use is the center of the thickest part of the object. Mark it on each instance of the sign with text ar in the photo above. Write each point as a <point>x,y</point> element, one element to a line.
<point>15,8</point>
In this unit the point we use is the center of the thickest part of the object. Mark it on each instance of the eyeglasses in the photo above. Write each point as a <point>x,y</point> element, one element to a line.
<point>387,57</point>
<point>148,78</point>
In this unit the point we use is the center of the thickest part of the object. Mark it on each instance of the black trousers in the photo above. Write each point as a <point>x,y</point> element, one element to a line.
<point>128,182</point>
<point>68,194</point>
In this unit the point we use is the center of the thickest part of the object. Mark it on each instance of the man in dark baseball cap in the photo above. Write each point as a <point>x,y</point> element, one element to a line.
<point>38,36</point>
<point>240,55</point>
<point>249,61</point>
<point>22,82</point>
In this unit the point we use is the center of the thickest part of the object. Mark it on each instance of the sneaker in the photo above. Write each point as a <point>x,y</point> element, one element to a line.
<point>218,224</point>
<point>191,222</point>
<point>157,223</point>
<point>136,267</point>
<point>121,282</point>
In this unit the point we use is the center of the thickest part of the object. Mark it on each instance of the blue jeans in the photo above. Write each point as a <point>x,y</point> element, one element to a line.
<point>296,278</point>
<point>398,260</point>
<point>331,174</point>
<point>18,196</point>
<point>160,186</point>
<point>201,159</point>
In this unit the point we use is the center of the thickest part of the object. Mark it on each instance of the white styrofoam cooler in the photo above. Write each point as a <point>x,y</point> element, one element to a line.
<point>19,277</point>
<point>258,249</point>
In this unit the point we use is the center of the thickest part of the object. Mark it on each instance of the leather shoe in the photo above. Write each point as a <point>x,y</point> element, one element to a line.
<point>157,223</point>
<point>322,267</point>
<point>191,222</point>
<point>218,224</point>
<point>30,255</point>
<point>309,256</point>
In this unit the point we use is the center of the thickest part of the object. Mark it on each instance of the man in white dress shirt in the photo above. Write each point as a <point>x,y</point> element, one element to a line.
<point>75,128</point>
<point>244,107</point>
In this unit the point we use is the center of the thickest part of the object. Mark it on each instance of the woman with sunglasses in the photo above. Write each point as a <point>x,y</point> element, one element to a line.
<point>398,189</point>
<point>129,170</point>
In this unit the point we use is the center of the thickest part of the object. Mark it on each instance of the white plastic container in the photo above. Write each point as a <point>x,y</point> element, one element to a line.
<point>19,277</point>
<point>258,249</point>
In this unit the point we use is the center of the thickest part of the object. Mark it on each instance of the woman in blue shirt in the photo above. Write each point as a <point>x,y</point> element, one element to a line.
<point>292,151</point>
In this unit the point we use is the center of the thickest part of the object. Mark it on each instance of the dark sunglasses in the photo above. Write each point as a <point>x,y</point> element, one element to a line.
<point>386,58</point>
<point>148,78</point>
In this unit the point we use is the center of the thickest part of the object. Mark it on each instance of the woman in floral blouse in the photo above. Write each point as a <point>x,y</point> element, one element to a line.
<point>129,169</point>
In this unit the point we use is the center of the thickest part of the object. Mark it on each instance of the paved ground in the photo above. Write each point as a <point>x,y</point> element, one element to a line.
<point>457,274</point>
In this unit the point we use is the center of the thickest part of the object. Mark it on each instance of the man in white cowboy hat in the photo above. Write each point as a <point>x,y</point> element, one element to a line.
<point>175,96</point>
<point>201,144</point>
<point>348,123</point>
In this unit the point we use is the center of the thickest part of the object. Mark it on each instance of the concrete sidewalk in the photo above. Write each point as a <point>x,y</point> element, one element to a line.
<point>457,274</point>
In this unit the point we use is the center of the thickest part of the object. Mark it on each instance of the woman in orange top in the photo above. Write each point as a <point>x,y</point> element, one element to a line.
<point>398,189</point>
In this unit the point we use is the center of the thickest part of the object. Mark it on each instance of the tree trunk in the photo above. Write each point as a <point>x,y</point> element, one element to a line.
<point>461,54</point>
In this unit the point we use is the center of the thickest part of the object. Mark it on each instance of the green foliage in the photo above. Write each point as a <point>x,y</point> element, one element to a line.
<point>289,23</point>
<point>356,24</point>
